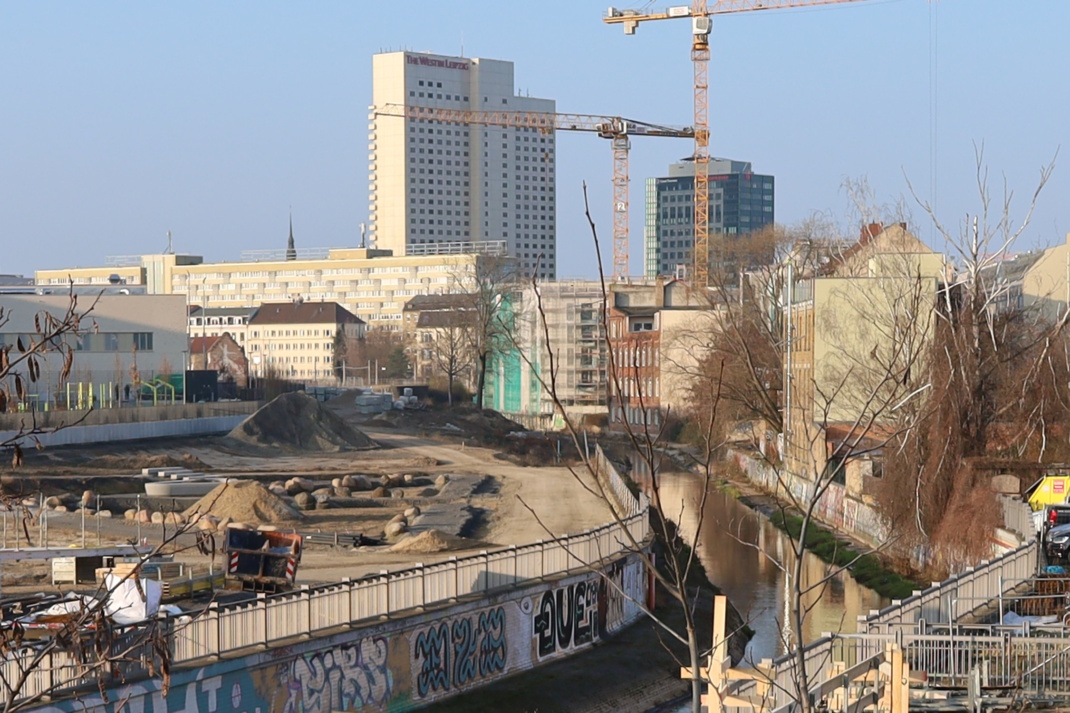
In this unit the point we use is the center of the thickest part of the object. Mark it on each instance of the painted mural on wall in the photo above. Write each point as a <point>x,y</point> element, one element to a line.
<point>620,594</point>
<point>397,666</point>
<point>565,619</point>
<point>456,654</point>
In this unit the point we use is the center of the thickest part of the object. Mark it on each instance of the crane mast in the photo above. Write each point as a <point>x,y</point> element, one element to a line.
<point>617,129</point>
<point>700,12</point>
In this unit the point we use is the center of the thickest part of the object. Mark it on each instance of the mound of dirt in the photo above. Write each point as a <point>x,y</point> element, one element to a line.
<point>296,421</point>
<point>433,541</point>
<point>139,461</point>
<point>244,501</point>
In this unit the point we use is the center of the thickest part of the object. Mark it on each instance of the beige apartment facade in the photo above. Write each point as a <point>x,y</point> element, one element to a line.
<point>856,334</point>
<point>372,284</point>
<point>296,340</point>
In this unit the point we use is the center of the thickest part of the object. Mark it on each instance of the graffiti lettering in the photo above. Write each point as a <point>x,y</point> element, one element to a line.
<point>564,619</point>
<point>619,596</point>
<point>338,679</point>
<point>455,655</point>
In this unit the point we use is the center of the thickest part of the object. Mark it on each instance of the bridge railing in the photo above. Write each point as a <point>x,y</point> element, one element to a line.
<point>945,601</point>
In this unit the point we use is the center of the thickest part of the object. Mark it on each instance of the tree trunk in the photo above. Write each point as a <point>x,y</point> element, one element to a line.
<point>482,381</point>
<point>449,392</point>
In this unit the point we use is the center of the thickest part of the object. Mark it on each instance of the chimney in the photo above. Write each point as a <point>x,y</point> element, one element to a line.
<point>870,231</point>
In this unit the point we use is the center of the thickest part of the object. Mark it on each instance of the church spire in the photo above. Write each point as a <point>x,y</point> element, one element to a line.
<point>291,251</point>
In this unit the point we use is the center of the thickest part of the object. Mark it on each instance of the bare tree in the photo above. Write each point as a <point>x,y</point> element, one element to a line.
<point>675,570</point>
<point>493,285</point>
<point>990,359</point>
<point>451,347</point>
<point>53,339</point>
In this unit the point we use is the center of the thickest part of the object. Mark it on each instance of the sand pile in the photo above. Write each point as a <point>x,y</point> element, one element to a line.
<point>244,501</point>
<point>433,541</point>
<point>296,421</point>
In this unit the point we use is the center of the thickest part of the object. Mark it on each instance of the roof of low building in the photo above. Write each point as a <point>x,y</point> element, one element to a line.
<point>304,313</point>
<point>447,301</point>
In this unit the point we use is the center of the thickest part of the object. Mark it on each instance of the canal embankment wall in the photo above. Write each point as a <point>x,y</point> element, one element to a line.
<point>402,662</point>
<point>857,517</point>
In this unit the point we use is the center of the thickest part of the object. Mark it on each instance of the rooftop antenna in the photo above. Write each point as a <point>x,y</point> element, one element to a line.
<point>170,246</point>
<point>363,235</point>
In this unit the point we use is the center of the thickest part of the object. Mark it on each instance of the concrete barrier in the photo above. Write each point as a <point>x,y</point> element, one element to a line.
<point>109,432</point>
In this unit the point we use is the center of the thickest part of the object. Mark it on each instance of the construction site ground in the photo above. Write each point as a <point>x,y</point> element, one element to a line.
<point>488,501</point>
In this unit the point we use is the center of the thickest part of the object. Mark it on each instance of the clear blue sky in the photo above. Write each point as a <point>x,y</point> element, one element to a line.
<point>122,120</point>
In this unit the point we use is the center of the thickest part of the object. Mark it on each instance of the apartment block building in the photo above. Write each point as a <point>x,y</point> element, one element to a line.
<point>297,339</point>
<point>432,181</point>
<point>840,354</point>
<point>372,284</point>
<point>573,331</point>
<point>740,201</point>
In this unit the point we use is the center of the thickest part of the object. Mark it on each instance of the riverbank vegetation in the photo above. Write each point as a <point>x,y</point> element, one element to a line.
<point>868,569</point>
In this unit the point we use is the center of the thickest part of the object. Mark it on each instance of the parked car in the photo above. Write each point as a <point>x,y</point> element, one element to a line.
<point>1052,516</point>
<point>1057,543</point>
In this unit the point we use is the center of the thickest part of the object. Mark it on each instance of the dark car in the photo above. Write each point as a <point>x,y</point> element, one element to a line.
<point>1057,543</point>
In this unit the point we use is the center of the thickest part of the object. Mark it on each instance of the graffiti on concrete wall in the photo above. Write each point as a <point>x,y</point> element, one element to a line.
<point>564,618</point>
<point>395,665</point>
<point>620,594</point>
<point>455,654</point>
<point>343,678</point>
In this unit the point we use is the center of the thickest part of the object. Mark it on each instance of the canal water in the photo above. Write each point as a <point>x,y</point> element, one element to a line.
<point>743,554</point>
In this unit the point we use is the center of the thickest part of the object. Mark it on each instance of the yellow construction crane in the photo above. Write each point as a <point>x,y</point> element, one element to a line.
<point>616,129</point>
<point>700,12</point>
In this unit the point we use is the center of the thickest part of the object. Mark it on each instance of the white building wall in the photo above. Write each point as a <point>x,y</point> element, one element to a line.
<point>108,357</point>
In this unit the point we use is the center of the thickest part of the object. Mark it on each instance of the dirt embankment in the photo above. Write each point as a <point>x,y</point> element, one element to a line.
<point>296,422</point>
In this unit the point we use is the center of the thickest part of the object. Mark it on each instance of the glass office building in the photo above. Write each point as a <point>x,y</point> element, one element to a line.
<point>740,201</point>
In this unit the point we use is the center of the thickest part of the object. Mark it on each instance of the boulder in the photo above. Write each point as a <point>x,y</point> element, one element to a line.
<point>357,482</point>
<point>380,492</point>
<point>399,518</point>
<point>1005,483</point>
<point>408,479</point>
<point>324,504</point>
<point>157,518</point>
<point>175,518</point>
<point>60,508</point>
<point>88,497</point>
<point>298,485</point>
<point>206,524</point>
<point>104,513</point>
<point>143,516</point>
<point>130,514</point>
<point>322,493</point>
<point>428,493</point>
<point>305,501</point>
<point>342,493</point>
<point>412,512</point>
<point>336,482</point>
<point>396,528</point>
<point>52,502</point>
<point>440,481</point>
<point>397,493</point>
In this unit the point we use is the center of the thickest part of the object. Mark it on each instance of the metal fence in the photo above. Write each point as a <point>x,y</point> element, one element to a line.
<point>628,504</point>
<point>1036,661</point>
<point>221,630</point>
<point>946,601</point>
